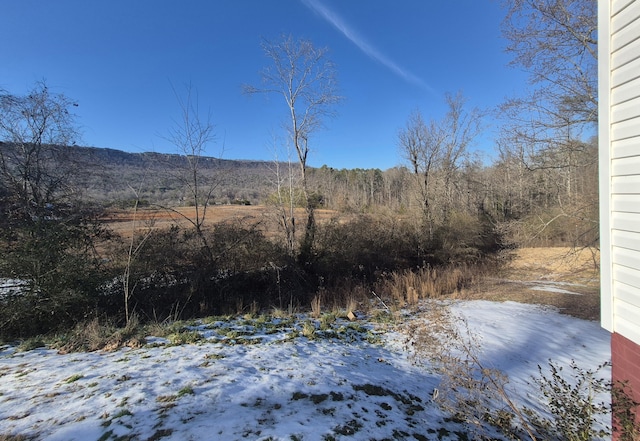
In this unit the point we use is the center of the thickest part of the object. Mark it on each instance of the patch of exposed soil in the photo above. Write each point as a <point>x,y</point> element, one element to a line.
<point>562,277</point>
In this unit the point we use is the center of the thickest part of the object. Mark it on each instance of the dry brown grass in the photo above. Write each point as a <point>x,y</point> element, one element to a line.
<point>546,269</point>
<point>410,286</point>
<point>316,306</point>
<point>561,277</point>
<point>122,221</point>
<point>559,264</point>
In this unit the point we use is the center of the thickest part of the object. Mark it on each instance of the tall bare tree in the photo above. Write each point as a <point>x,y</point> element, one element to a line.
<point>35,165</point>
<point>460,127</point>
<point>421,144</point>
<point>436,151</point>
<point>284,180</point>
<point>191,134</point>
<point>555,41</point>
<point>305,78</point>
<point>549,127</point>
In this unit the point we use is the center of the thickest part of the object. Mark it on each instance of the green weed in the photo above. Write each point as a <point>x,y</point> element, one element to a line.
<point>184,336</point>
<point>73,378</point>
<point>187,390</point>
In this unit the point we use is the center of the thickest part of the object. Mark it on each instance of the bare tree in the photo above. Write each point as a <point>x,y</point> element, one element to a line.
<point>421,145</point>
<point>191,134</point>
<point>306,79</point>
<point>460,127</point>
<point>35,166</point>
<point>47,237</point>
<point>549,127</point>
<point>437,150</point>
<point>556,42</point>
<point>285,197</point>
<point>135,247</point>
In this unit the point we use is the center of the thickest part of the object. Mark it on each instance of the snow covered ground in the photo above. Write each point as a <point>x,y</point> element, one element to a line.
<point>264,380</point>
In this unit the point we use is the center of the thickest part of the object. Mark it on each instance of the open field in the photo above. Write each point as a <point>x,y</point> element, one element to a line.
<point>124,221</point>
<point>562,277</point>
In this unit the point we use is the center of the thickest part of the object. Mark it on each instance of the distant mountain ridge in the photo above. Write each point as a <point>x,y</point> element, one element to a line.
<point>110,175</point>
<point>120,157</point>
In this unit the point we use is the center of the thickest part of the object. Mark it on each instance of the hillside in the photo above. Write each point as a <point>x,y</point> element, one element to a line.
<point>113,175</point>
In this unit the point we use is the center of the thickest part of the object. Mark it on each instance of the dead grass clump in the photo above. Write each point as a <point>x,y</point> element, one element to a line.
<point>316,306</point>
<point>95,335</point>
<point>346,296</point>
<point>352,305</point>
<point>13,438</point>
<point>410,286</point>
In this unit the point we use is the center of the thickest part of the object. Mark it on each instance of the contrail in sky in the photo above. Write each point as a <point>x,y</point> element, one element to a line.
<point>337,22</point>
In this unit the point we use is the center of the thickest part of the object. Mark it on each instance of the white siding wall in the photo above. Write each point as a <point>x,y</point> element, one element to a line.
<point>619,132</point>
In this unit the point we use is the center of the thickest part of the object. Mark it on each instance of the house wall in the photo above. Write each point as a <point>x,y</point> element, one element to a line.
<point>619,138</point>
<point>620,165</point>
<point>626,361</point>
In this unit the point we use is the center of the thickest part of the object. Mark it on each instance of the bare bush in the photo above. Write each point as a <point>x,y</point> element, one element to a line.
<point>625,412</point>
<point>479,395</point>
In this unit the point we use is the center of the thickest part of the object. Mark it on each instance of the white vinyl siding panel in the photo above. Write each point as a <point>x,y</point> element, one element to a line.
<point>629,128</point>
<point>623,75</point>
<point>626,239</point>
<point>628,327</point>
<point>626,275</point>
<point>619,96</point>
<point>627,294</point>
<point>626,257</point>
<point>623,40</point>
<point>622,93</point>
<point>625,169</point>
<point>625,54</point>
<point>625,147</point>
<point>623,224</point>
<point>621,184</point>
<point>619,5</point>
<point>626,203</point>
<point>627,314</point>
<point>627,110</point>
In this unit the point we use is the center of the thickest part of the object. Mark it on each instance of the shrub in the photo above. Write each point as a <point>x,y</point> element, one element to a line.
<point>60,271</point>
<point>363,248</point>
<point>571,399</point>
<point>625,413</point>
<point>464,238</point>
<point>478,395</point>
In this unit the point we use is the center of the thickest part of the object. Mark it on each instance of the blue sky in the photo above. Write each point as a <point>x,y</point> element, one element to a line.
<point>121,59</point>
